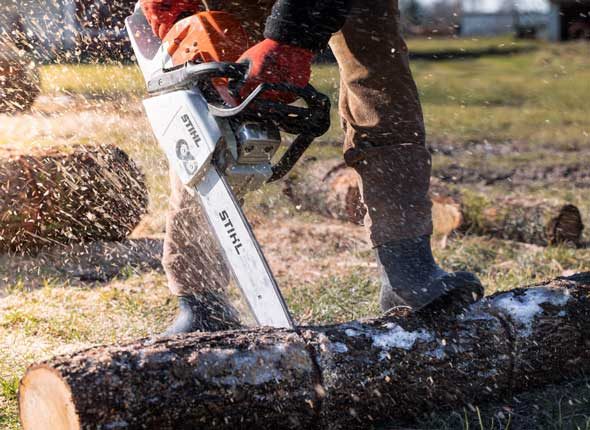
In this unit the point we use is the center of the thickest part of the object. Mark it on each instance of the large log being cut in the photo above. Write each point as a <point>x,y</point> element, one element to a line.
<point>337,377</point>
<point>69,196</point>
<point>330,188</point>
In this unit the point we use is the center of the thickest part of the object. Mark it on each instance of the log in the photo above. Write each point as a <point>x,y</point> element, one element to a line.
<point>331,189</point>
<point>19,78</point>
<point>66,196</point>
<point>336,377</point>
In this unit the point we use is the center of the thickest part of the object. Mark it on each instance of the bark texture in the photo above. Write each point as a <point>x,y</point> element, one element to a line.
<point>19,78</point>
<point>337,377</point>
<point>53,197</point>
<point>330,188</point>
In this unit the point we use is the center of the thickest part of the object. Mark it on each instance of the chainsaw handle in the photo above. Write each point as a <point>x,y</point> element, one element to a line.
<point>313,120</point>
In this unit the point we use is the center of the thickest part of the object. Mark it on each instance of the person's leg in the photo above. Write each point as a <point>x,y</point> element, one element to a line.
<point>196,271</point>
<point>385,144</point>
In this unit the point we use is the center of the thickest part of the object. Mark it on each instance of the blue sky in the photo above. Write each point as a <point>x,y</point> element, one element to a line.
<point>491,5</point>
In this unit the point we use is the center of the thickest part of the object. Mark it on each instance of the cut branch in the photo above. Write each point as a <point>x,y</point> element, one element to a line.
<point>59,197</point>
<point>338,377</point>
<point>331,189</point>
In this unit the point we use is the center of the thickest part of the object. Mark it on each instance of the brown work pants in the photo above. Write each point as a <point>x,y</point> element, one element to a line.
<point>384,142</point>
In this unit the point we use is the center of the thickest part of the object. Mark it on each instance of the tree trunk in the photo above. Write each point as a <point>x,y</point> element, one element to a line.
<point>61,197</point>
<point>339,377</point>
<point>331,189</point>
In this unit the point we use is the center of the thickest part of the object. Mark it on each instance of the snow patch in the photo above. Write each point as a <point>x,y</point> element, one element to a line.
<point>438,353</point>
<point>338,347</point>
<point>350,332</point>
<point>524,308</point>
<point>399,338</point>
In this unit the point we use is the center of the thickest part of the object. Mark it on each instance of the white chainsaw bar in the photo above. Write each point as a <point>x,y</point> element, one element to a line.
<point>189,135</point>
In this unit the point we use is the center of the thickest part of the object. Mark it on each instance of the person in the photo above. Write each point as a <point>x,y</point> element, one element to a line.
<point>384,142</point>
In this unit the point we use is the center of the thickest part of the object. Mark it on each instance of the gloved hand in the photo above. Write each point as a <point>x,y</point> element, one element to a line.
<point>273,62</point>
<point>162,14</point>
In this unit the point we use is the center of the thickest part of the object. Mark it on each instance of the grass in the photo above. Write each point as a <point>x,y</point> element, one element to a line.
<point>537,98</point>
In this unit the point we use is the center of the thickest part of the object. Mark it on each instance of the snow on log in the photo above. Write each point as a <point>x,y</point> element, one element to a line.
<point>64,196</point>
<point>336,377</point>
<point>331,189</point>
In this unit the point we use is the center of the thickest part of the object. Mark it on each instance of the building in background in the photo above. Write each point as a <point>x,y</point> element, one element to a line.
<point>521,24</point>
<point>569,19</point>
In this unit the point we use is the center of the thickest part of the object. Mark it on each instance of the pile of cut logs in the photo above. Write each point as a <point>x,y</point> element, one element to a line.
<point>331,189</point>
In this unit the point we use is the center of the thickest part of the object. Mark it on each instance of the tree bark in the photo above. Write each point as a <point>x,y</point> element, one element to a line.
<point>331,189</point>
<point>86,193</point>
<point>19,78</point>
<point>338,377</point>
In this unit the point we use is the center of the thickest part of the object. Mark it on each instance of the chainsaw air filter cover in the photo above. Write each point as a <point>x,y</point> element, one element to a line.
<point>205,37</point>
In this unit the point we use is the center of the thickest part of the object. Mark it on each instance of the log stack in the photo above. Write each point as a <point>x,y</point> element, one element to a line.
<point>331,189</point>
<point>19,78</point>
<point>336,377</point>
<point>65,196</point>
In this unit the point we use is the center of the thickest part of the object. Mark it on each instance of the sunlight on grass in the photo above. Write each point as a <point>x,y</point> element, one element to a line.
<point>92,80</point>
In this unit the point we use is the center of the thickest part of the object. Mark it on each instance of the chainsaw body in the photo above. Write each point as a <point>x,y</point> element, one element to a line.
<point>220,146</point>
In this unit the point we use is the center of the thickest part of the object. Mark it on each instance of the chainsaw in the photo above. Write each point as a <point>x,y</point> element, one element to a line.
<point>223,146</point>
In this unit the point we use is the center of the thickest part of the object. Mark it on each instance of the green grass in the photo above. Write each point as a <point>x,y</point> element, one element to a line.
<point>539,96</point>
<point>92,80</point>
<point>468,44</point>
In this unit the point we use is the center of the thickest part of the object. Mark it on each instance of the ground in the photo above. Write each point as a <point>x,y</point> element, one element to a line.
<point>525,111</point>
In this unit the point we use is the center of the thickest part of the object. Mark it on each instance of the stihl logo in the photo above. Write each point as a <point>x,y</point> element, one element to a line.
<point>231,231</point>
<point>191,129</point>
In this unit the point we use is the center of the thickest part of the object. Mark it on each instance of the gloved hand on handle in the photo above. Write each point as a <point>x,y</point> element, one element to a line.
<point>269,61</point>
<point>163,14</point>
<point>273,62</point>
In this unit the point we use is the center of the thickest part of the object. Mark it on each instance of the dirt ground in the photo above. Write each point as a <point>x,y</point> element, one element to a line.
<point>65,299</point>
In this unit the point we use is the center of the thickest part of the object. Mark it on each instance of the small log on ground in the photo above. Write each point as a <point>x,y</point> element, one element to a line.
<point>331,189</point>
<point>339,377</point>
<point>86,193</point>
<point>19,78</point>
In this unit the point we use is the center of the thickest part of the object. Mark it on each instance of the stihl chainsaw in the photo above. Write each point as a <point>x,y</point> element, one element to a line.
<point>222,146</point>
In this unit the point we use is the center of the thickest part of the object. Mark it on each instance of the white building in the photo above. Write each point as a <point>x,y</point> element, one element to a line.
<point>493,24</point>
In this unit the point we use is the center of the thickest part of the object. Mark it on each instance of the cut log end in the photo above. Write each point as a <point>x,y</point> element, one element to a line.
<point>567,227</point>
<point>45,401</point>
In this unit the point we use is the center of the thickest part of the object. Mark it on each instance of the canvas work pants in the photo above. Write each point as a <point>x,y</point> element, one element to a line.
<point>384,142</point>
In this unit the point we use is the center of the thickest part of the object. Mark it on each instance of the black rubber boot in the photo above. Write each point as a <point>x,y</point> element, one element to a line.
<point>411,277</point>
<point>205,313</point>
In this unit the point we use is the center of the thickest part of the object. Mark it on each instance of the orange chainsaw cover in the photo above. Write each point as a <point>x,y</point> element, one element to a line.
<point>205,37</point>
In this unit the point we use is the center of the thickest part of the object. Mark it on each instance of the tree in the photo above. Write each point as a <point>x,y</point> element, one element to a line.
<point>412,12</point>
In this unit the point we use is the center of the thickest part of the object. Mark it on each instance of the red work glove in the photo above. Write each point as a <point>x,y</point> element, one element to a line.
<point>272,62</point>
<point>163,14</point>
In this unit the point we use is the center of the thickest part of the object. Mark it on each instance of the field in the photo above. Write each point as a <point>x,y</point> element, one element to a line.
<point>525,111</point>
